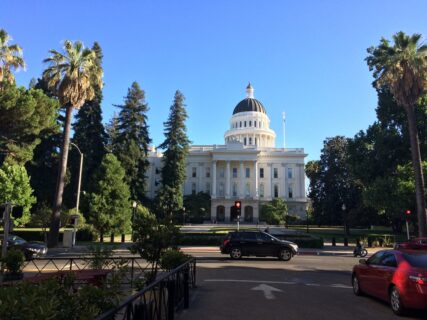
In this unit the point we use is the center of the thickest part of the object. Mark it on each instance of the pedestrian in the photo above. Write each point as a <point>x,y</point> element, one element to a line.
<point>267,230</point>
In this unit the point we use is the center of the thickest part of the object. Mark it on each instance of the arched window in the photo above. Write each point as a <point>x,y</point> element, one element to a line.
<point>234,189</point>
<point>254,123</point>
<point>249,212</point>
<point>250,140</point>
<point>220,213</point>
<point>276,191</point>
<point>221,189</point>
<point>244,141</point>
<point>250,123</point>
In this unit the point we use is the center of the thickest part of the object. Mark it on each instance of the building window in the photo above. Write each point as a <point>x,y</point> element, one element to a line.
<point>290,192</point>
<point>221,172</point>
<point>248,189</point>
<point>290,173</point>
<point>208,188</point>
<point>250,140</point>
<point>234,189</point>
<point>261,190</point>
<point>275,173</point>
<point>244,141</point>
<point>208,172</point>
<point>221,189</point>
<point>261,172</point>
<point>234,172</point>
<point>245,123</point>
<point>248,172</point>
<point>250,123</point>
<point>240,124</point>
<point>254,123</point>
<point>276,191</point>
<point>194,172</point>
<point>193,188</point>
<point>255,141</point>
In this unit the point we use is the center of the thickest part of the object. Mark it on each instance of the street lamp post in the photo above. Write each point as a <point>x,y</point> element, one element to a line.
<point>78,189</point>
<point>183,216</point>
<point>343,207</point>
<point>134,204</point>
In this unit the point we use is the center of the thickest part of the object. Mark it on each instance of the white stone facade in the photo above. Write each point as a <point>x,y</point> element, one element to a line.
<point>247,168</point>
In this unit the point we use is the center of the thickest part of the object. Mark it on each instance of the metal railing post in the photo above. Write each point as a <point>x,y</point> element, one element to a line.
<point>171,299</point>
<point>186,289</point>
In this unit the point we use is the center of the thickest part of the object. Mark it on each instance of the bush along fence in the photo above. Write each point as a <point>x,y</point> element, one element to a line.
<point>169,293</point>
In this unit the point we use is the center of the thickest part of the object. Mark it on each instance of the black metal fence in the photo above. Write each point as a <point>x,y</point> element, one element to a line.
<point>132,268</point>
<point>161,299</point>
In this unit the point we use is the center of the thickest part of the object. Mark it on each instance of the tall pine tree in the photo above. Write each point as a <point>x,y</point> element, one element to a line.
<point>176,145</point>
<point>89,136</point>
<point>132,140</point>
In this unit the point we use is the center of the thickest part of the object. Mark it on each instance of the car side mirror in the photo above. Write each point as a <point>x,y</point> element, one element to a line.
<point>363,261</point>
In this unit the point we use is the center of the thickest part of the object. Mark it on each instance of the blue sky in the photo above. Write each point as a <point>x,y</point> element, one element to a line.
<point>303,57</point>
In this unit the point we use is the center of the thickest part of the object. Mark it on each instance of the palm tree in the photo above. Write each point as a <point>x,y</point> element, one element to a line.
<point>10,58</point>
<point>402,68</point>
<point>72,75</point>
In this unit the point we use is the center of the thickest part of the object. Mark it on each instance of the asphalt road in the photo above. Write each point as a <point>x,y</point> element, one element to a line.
<point>307,287</point>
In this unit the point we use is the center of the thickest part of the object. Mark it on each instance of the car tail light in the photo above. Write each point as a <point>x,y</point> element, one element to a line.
<point>226,241</point>
<point>418,279</point>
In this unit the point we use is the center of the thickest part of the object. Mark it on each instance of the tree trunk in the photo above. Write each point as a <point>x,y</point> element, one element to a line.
<point>418,171</point>
<point>55,220</point>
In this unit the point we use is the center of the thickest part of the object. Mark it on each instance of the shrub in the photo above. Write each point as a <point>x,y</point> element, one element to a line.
<point>14,261</point>
<point>172,259</point>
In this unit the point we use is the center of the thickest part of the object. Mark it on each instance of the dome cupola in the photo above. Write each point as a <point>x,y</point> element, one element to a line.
<point>250,124</point>
<point>250,103</point>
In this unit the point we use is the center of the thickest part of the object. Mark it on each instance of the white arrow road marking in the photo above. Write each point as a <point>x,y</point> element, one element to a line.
<point>249,281</point>
<point>268,290</point>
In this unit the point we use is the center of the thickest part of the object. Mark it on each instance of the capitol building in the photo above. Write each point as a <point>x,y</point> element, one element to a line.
<point>248,167</point>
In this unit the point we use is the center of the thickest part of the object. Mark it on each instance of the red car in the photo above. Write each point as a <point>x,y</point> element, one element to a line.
<point>396,276</point>
<point>413,244</point>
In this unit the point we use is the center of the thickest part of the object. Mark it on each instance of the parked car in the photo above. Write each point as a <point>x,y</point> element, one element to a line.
<point>396,276</point>
<point>414,244</point>
<point>30,250</point>
<point>257,243</point>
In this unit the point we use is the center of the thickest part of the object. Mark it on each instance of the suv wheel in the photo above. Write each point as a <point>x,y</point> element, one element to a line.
<point>285,254</point>
<point>235,253</point>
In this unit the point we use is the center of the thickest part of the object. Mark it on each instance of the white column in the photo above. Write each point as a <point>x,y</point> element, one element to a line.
<point>271,181</point>
<point>241,188</point>
<point>227,181</point>
<point>256,179</point>
<point>213,189</point>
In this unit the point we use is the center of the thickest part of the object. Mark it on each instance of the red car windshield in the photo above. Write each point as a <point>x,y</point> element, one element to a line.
<point>416,260</point>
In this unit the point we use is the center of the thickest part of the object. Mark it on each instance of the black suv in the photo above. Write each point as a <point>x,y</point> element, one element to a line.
<point>257,243</point>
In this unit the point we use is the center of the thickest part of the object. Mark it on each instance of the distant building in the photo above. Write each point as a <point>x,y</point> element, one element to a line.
<point>248,167</point>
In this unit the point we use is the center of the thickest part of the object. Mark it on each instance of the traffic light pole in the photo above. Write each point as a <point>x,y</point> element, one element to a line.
<point>407,229</point>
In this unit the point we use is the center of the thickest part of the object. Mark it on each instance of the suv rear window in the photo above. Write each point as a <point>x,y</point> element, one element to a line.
<point>416,260</point>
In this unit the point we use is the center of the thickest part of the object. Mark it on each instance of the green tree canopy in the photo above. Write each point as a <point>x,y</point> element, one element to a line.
<point>15,188</point>
<point>401,67</point>
<point>274,212</point>
<point>132,140</point>
<point>332,184</point>
<point>176,147</point>
<point>109,201</point>
<point>10,58</point>
<point>24,115</point>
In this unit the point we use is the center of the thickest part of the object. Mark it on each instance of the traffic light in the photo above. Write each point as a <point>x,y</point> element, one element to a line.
<point>408,212</point>
<point>238,206</point>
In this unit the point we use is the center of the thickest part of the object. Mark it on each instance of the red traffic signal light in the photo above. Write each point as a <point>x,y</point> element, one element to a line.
<point>408,212</point>
<point>237,204</point>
